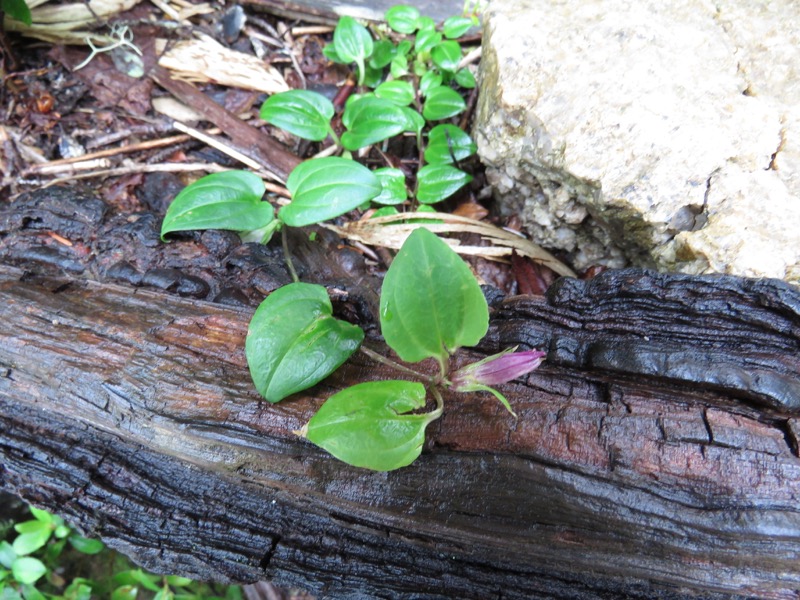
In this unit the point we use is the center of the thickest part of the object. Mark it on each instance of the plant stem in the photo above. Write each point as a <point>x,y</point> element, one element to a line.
<point>392,364</point>
<point>287,257</point>
<point>435,414</point>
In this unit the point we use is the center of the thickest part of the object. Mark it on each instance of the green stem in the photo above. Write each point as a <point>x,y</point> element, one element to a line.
<point>287,257</point>
<point>392,364</point>
<point>334,137</point>
<point>435,414</point>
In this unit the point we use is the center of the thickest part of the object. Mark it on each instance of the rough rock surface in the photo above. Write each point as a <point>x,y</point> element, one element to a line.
<point>659,134</point>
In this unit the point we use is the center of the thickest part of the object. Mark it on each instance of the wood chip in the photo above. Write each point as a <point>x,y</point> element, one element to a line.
<point>205,59</point>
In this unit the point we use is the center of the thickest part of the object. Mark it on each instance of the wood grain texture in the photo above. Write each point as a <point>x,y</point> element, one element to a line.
<point>131,412</point>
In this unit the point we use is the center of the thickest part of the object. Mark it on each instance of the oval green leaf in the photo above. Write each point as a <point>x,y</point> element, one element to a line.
<point>446,55</point>
<point>369,425</point>
<point>324,188</point>
<point>304,113</point>
<point>431,304</point>
<point>393,184</point>
<point>382,54</point>
<point>438,182</point>
<point>429,81</point>
<point>448,142</point>
<point>427,38</point>
<point>415,122</point>
<point>352,41</point>
<point>399,66</point>
<point>293,341</point>
<point>28,569</point>
<point>403,19</point>
<point>455,27</point>
<point>86,545</point>
<point>398,92</point>
<point>370,120</point>
<point>465,78</point>
<point>442,103</point>
<point>227,200</point>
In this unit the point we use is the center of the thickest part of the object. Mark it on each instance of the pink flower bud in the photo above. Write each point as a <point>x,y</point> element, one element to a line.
<point>497,369</point>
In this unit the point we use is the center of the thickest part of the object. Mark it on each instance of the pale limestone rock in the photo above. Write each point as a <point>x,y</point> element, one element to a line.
<point>660,134</point>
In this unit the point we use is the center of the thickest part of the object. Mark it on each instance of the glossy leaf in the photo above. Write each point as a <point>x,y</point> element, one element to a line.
<point>465,78</point>
<point>304,113</point>
<point>370,425</point>
<point>429,81</point>
<point>446,142</point>
<point>324,188</point>
<point>415,122</point>
<point>7,554</point>
<point>398,92</point>
<point>329,51</point>
<point>399,66</point>
<point>382,54</point>
<point>42,515</point>
<point>293,341</point>
<point>385,211</point>
<point>17,9</point>
<point>370,120</point>
<point>393,184</point>
<point>442,103</point>
<point>227,200</point>
<point>431,304</point>
<point>86,545</point>
<point>28,569</point>
<point>403,19</point>
<point>353,42</point>
<point>438,182</point>
<point>455,27</point>
<point>446,55</point>
<point>427,38</point>
<point>32,536</point>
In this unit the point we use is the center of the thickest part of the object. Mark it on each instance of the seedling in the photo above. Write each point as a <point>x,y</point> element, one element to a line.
<point>431,304</point>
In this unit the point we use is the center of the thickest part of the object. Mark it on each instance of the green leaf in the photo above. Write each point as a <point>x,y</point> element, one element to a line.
<point>442,103</point>
<point>393,184</point>
<point>353,43</point>
<point>385,211</point>
<point>41,515</point>
<point>177,581</point>
<point>437,182</point>
<point>31,593</point>
<point>324,188</point>
<point>446,55</point>
<point>446,142</point>
<point>62,531</point>
<point>415,122</point>
<point>304,113</point>
<point>455,27</point>
<point>227,200</point>
<point>329,51</point>
<point>367,425</point>
<point>125,592</point>
<point>382,54</point>
<point>27,569</point>
<point>18,9</point>
<point>427,38</point>
<point>78,589</point>
<point>34,535</point>
<point>399,66</point>
<point>86,545</point>
<point>370,120</point>
<point>403,19</point>
<point>429,81</point>
<point>465,78</point>
<point>398,92</point>
<point>431,304</point>
<point>294,342</point>
<point>7,554</point>
<point>164,594</point>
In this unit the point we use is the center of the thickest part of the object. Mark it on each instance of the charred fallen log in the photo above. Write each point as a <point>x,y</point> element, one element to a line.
<point>656,451</point>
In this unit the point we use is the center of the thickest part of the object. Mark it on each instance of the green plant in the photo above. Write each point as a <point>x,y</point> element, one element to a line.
<point>431,304</point>
<point>34,564</point>
<point>17,9</point>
